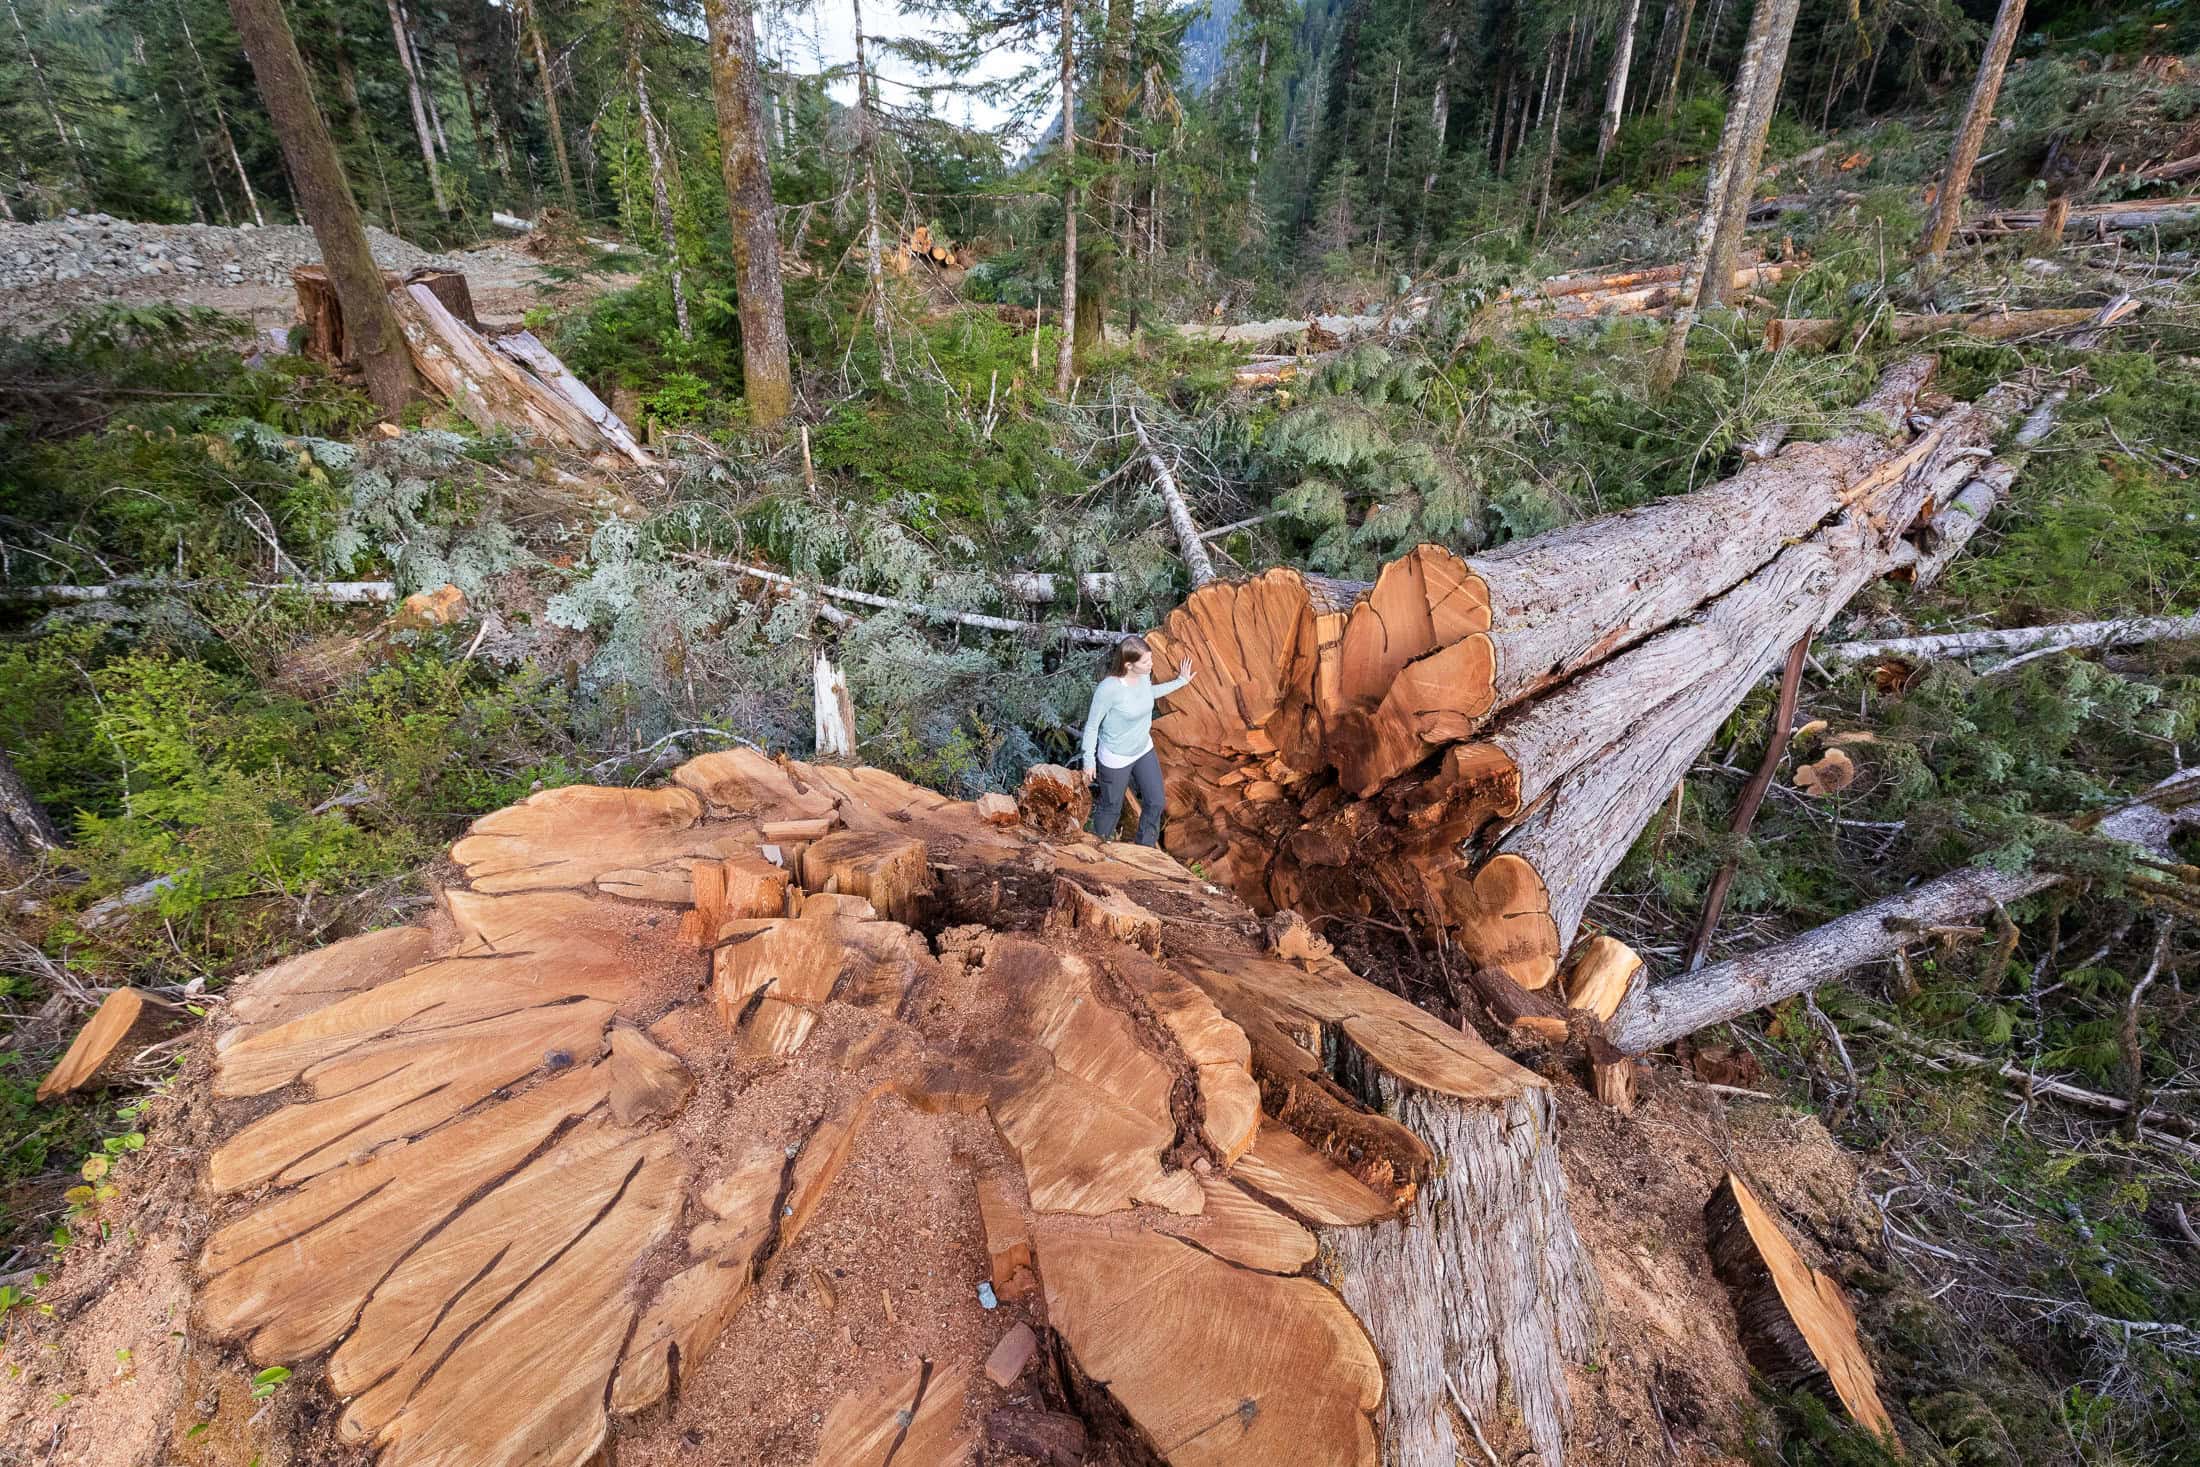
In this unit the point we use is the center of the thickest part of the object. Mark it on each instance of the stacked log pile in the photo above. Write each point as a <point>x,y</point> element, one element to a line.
<point>1473,745</point>
<point>587,1127</point>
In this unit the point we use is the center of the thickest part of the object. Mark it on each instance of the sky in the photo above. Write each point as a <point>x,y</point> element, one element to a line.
<point>822,34</point>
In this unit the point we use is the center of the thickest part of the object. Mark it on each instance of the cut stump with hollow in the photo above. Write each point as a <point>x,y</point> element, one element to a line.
<point>589,1125</point>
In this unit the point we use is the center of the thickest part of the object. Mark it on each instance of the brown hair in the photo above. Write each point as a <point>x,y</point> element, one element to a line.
<point>1126,652</point>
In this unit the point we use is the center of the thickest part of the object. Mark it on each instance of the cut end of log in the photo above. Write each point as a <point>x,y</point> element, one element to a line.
<point>1797,1326</point>
<point>126,1021</point>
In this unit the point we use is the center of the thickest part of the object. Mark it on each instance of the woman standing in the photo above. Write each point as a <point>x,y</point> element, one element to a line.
<point>1119,739</point>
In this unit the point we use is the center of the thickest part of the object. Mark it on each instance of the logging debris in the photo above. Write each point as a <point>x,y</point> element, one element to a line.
<point>125,1022</point>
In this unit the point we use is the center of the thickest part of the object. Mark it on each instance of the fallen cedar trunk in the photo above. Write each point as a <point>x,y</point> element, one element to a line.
<point>1656,1014</point>
<point>1799,334</point>
<point>1475,744</point>
<point>475,1151</point>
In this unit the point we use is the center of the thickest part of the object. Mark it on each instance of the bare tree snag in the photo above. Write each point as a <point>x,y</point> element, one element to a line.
<point>419,110</point>
<point>125,1022</point>
<point>1615,90</point>
<point>1656,1014</point>
<point>1796,1324</point>
<point>1441,743</point>
<point>480,1150</point>
<point>1971,132</point>
<point>324,197</point>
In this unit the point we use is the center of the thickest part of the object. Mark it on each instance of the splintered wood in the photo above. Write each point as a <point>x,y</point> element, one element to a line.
<point>1474,744</point>
<point>126,1021</point>
<point>465,1168</point>
<point>1796,1324</point>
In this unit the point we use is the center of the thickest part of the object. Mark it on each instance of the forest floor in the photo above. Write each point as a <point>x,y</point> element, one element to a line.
<point>54,268</point>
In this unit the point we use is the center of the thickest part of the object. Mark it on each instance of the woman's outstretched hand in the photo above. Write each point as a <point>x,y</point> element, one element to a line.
<point>1184,669</point>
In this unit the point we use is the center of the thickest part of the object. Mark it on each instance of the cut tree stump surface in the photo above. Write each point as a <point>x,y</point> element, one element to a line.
<point>693,1151</point>
<point>1473,744</point>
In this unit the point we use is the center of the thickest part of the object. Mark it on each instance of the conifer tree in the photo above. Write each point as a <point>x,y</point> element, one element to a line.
<point>767,378</point>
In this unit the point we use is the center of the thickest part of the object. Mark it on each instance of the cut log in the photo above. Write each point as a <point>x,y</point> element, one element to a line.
<point>1796,1325</point>
<point>125,1022</point>
<point>1993,325</point>
<point>558,1137</point>
<point>1599,974</point>
<point>2094,219</point>
<point>1444,742</point>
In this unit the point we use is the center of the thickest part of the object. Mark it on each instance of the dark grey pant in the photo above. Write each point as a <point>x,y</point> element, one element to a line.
<point>1107,810</point>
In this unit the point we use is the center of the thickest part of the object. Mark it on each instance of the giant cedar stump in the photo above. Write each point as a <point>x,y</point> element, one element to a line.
<point>516,1176</point>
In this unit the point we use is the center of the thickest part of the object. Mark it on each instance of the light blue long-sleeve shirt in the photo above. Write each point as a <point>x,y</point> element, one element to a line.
<point>1121,718</point>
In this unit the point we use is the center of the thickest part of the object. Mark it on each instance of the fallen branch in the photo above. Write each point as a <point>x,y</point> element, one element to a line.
<point>2031,1084</point>
<point>342,592</point>
<point>1091,636</point>
<point>1753,795</point>
<point>1180,515</point>
<point>1656,1014</point>
<point>2127,632</point>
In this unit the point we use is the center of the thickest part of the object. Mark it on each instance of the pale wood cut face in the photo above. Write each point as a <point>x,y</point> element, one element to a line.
<point>566,1131</point>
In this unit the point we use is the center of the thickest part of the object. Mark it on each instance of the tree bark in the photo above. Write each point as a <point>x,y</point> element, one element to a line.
<point>1971,134</point>
<point>550,104</point>
<point>221,118</point>
<point>1550,147</point>
<point>1764,94</point>
<point>767,377</point>
<point>1656,1014</point>
<point>419,111</point>
<point>1096,271</point>
<point>1762,58</point>
<point>325,199</point>
<point>1260,100</point>
<point>1615,91</point>
<point>1065,361</point>
<point>27,833</point>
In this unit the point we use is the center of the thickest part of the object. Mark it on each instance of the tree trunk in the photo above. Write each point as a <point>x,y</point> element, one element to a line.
<point>1762,58</point>
<point>1671,94</point>
<point>69,147</point>
<point>767,378</point>
<point>419,111</point>
<point>1550,147</point>
<point>1260,101</point>
<point>325,199</point>
<point>660,192</point>
<point>1439,113</point>
<point>1066,359</point>
<point>348,81</point>
<point>1390,147</point>
<point>26,832</point>
<point>1096,271</point>
<point>1656,1014</point>
<point>1763,95</point>
<point>874,256</point>
<point>550,104</point>
<point>1615,91</point>
<point>1475,744</point>
<point>1971,135</point>
<point>1196,561</point>
<point>221,118</point>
